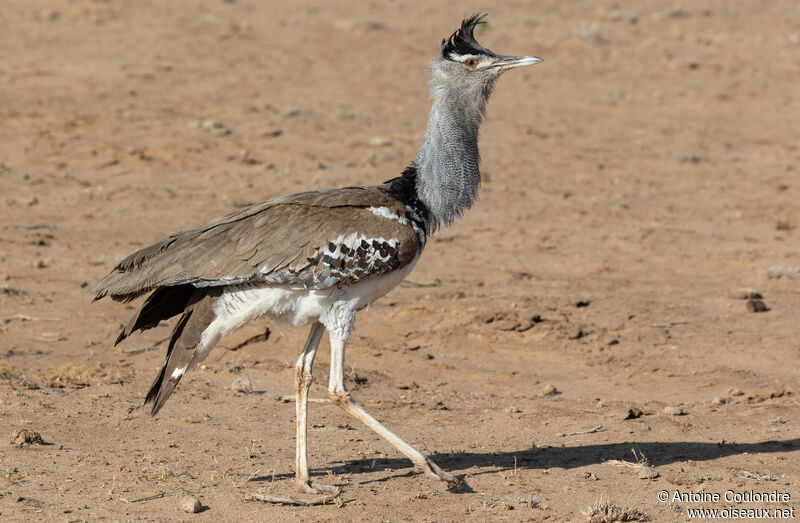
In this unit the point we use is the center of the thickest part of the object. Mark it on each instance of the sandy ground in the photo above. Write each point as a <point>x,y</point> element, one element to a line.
<point>648,169</point>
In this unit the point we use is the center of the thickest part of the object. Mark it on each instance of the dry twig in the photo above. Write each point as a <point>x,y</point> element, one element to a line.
<point>324,500</point>
<point>590,431</point>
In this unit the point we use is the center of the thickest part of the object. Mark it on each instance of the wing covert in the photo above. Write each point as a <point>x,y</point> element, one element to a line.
<point>315,240</point>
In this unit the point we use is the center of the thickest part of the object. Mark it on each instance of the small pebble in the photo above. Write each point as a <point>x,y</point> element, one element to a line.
<point>757,306</point>
<point>691,158</point>
<point>549,390</point>
<point>48,15</point>
<point>242,384</point>
<point>512,410</point>
<point>674,411</point>
<point>648,472</point>
<point>719,400</point>
<point>633,413</point>
<point>435,404</point>
<point>217,128</point>
<point>625,16</point>
<point>272,132</point>
<point>780,272</point>
<point>575,333</point>
<point>190,504</point>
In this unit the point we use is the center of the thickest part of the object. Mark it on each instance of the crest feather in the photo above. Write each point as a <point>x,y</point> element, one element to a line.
<point>462,42</point>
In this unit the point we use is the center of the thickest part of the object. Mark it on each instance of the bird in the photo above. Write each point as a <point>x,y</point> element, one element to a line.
<point>317,258</point>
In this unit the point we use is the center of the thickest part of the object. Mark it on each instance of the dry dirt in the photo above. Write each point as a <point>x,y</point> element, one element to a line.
<point>648,169</point>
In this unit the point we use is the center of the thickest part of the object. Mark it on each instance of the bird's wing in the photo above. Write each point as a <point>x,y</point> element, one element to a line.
<point>314,239</point>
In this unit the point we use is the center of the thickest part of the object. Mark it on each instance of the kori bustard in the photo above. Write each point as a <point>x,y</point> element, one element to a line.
<point>318,257</point>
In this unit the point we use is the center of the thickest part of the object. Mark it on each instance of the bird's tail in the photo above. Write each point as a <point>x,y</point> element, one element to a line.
<point>162,304</point>
<point>186,346</point>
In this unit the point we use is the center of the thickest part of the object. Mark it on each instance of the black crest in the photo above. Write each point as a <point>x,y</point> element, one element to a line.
<point>463,40</point>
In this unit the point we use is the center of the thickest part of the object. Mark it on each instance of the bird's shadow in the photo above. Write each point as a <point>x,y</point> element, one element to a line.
<point>657,452</point>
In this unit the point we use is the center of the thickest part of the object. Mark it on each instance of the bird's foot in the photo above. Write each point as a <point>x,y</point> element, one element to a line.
<point>330,494</point>
<point>432,470</point>
<point>330,490</point>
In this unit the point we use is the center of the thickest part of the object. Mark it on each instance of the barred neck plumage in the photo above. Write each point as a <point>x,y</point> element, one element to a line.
<point>447,164</point>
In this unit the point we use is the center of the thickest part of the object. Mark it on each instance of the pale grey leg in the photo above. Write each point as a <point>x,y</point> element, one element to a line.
<point>303,377</point>
<point>341,397</point>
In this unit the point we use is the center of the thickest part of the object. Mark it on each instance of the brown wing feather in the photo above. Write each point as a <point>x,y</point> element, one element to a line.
<point>278,241</point>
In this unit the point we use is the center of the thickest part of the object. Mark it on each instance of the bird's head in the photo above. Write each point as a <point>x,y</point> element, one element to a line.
<point>465,65</point>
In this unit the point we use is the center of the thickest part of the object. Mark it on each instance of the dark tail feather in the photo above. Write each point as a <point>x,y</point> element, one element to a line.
<point>163,385</point>
<point>162,304</point>
<point>183,344</point>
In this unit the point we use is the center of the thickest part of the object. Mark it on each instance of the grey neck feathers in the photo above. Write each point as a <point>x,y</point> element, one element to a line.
<point>448,175</point>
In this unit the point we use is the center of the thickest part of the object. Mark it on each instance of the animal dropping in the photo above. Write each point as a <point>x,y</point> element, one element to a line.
<point>317,258</point>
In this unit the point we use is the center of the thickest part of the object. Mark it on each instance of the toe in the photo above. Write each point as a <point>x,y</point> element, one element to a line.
<point>433,470</point>
<point>320,489</point>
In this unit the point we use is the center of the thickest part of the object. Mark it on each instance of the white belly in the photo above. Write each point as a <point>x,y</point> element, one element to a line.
<point>334,307</point>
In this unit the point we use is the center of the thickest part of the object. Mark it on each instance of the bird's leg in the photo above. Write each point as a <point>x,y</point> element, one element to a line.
<point>303,377</point>
<point>341,397</point>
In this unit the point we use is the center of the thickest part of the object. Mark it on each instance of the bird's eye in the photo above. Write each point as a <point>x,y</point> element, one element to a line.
<point>471,62</point>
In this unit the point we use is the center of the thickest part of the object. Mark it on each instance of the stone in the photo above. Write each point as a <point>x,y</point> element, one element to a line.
<point>23,437</point>
<point>674,411</point>
<point>190,504</point>
<point>648,472</point>
<point>549,390</point>
<point>757,306</point>
<point>242,384</point>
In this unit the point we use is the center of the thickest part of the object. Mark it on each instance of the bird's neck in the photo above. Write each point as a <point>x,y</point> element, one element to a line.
<point>448,175</point>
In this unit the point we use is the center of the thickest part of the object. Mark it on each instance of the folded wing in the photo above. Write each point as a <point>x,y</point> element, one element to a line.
<point>314,240</point>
